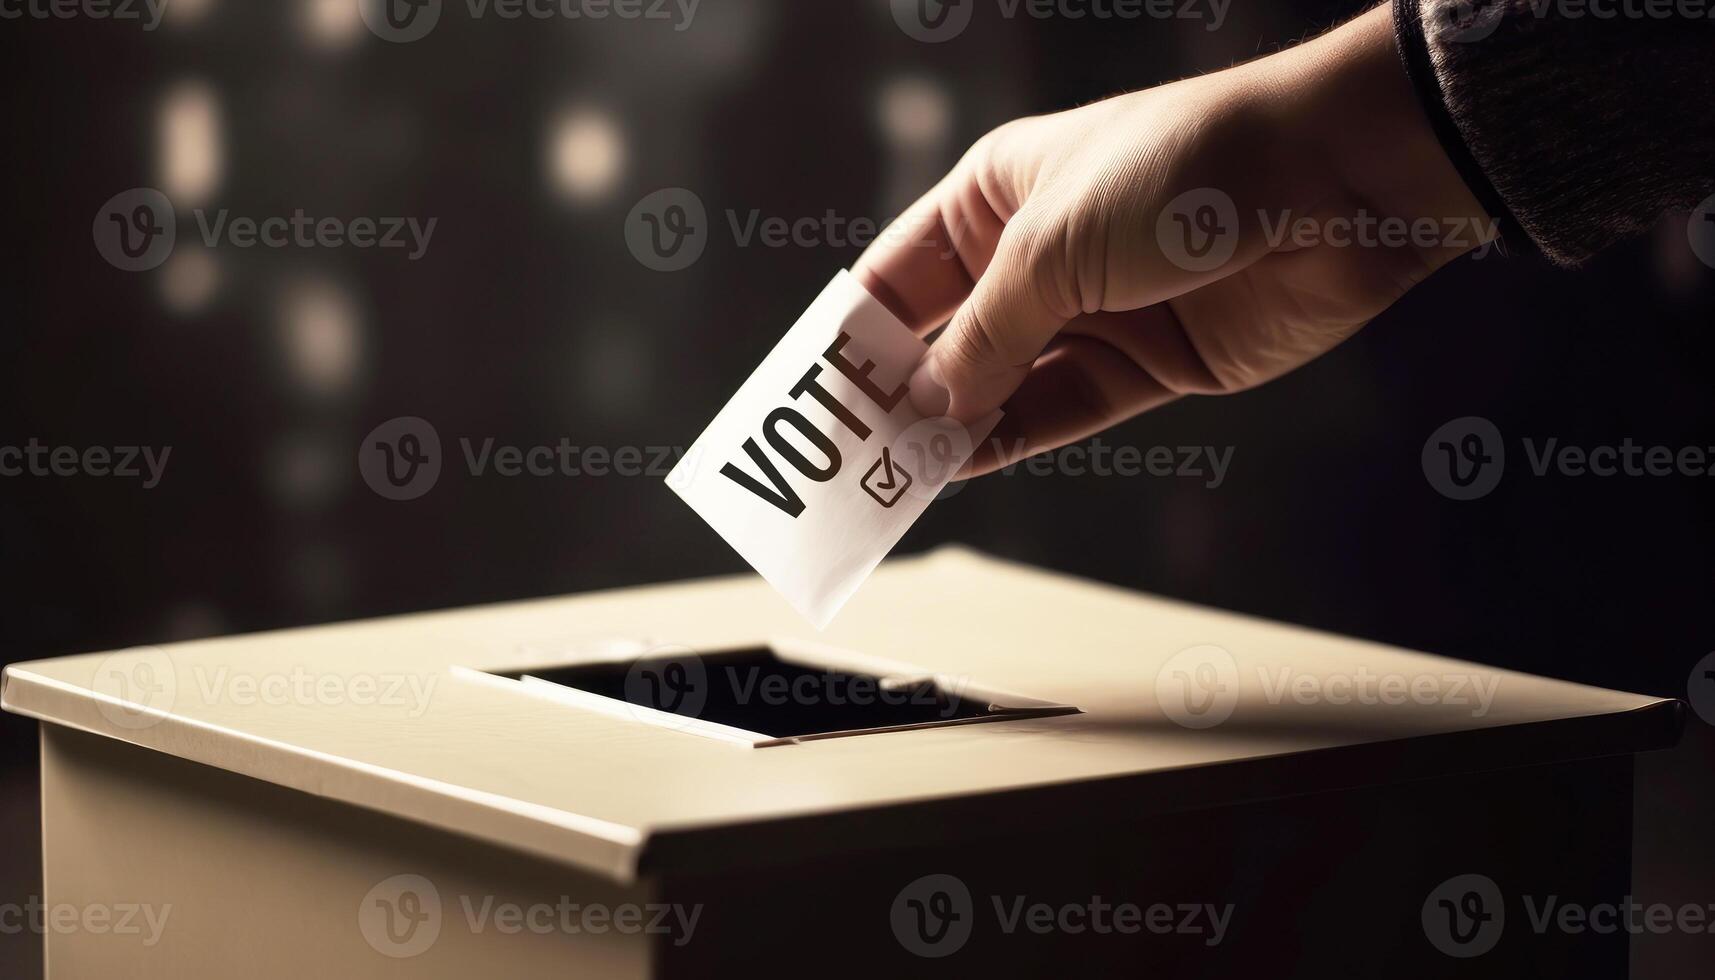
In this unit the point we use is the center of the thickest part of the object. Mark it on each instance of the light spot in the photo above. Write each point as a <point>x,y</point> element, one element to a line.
<point>321,335</point>
<point>304,471</point>
<point>189,279</point>
<point>184,13</point>
<point>191,151</point>
<point>194,619</point>
<point>613,371</point>
<point>586,153</point>
<point>915,112</point>
<point>330,24</point>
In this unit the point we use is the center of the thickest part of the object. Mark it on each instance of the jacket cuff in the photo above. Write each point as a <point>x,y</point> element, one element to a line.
<point>1581,122</point>
<point>1414,53</point>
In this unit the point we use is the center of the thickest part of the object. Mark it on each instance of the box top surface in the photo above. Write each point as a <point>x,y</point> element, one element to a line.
<point>1183,707</point>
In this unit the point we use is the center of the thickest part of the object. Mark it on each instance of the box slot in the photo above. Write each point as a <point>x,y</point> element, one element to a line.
<point>766,698</point>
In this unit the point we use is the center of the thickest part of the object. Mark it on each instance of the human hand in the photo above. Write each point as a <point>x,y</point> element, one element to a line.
<point>1102,261</point>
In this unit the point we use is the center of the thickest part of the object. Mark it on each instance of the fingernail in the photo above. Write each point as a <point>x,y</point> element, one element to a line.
<point>929,396</point>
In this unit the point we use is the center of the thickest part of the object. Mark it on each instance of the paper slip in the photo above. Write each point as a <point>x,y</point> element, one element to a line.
<point>818,465</point>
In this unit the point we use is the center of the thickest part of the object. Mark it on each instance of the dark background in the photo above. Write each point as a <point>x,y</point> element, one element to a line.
<point>528,319</point>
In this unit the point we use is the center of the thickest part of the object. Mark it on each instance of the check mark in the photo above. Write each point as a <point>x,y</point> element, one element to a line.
<point>887,471</point>
<point>886,482</point>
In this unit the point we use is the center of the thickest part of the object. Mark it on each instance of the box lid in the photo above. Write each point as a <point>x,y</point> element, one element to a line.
<point>1182,707</point>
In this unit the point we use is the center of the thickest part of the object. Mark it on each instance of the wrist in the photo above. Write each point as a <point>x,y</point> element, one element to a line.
<point>1368,134</point>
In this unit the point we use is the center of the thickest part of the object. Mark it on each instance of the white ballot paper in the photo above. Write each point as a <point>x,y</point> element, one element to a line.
<point>818,465</point>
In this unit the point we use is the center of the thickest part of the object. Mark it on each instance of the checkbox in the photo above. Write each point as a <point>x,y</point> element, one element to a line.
<point>886,481</point>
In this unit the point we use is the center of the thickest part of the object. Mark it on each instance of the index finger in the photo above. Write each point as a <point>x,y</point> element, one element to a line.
<point>924,264</point>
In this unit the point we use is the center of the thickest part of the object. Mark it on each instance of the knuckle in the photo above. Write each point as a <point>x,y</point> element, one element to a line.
<point>987,152</point>
<point>1000,135</point>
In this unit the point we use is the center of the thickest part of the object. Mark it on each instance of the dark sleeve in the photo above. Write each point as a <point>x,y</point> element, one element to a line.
<point>1577,123</point>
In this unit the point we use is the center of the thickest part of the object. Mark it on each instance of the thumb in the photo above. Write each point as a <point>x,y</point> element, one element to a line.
<point>1017,306</point>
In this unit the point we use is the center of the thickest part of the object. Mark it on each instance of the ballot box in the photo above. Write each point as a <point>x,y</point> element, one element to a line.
<point>980,769</point>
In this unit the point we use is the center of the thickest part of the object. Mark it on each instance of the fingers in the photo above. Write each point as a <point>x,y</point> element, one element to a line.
<point>1082,385</point>
<point>1104,368</point>
<point>926,262</point>
<point>1020,301</point>
<point>1061,256</point>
